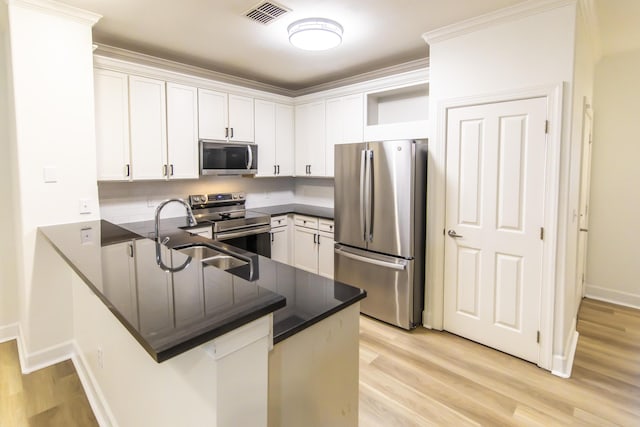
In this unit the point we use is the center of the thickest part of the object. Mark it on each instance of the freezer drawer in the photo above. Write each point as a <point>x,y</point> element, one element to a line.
<point>389,283</point>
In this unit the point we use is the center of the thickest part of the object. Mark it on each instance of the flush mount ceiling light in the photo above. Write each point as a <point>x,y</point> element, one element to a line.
<point>315,34</point>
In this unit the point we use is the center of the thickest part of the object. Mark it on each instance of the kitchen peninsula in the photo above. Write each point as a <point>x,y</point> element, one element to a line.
<point>260,343</point>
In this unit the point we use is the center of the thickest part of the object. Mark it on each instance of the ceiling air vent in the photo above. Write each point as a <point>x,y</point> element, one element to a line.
<point>266,12</point>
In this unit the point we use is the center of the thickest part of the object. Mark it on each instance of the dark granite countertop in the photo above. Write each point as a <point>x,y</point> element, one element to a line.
<point>170,313</point>
<point>294,208</point>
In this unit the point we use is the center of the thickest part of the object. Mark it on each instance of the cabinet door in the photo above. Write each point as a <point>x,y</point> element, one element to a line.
<point>334,131</point>
<point>305,253</point>
<point>155,297</point>
<point>325,254</point>
<point>241,119</point>
<point>212,115</point>
<point>182,131</point>
<point>302,117</point>
<point>112,125</point>
<point>265,133</point>
<point>284,140</point>
<point>310,139</point>
<point>352,118</point>
<point>280,245</point>
<point>119,279</point>
<point>188,292</point>
<point>148,127</point>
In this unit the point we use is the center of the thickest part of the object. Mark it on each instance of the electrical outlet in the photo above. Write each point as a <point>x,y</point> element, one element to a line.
<point>86,236</point>
<point>85,206</point>
<point>100,358</point>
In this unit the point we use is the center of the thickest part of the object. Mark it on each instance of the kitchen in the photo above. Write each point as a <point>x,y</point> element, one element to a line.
<point>34,297</point>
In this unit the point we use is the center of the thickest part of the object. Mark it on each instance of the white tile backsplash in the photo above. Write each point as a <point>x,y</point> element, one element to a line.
<point>122,202</point>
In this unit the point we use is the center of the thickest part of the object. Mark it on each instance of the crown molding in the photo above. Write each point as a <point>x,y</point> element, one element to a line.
<point>178,67</point>
<point>418,64</point>
<point>60,9</point>
<point>506,14</point>
<point>589,15</point>
<point>122,59</point>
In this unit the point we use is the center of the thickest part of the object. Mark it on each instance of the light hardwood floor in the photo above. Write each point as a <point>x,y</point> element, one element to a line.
<point>50,397</point>
<point>418,378</point>
<point>423,377</point>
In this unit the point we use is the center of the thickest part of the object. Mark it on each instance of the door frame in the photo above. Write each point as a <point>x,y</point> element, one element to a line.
<point>436,197</point>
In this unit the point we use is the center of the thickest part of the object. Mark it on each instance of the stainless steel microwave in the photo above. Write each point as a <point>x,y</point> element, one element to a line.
<point>228,158</point>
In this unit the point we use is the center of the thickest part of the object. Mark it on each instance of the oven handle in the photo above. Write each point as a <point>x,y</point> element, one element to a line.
<point>242,233</point>
<point>250,162</point>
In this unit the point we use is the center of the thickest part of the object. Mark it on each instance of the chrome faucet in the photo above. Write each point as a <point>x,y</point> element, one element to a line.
<point>192,219</point>
<point>159,243</point>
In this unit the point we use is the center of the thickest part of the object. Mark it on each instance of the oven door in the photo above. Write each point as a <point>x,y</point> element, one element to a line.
<point>255,239</point>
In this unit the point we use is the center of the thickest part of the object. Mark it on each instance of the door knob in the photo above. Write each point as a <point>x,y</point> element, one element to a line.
<point>452,233</point>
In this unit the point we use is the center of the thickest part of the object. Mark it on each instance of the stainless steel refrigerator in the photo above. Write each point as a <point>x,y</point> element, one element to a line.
<point>380,204</point>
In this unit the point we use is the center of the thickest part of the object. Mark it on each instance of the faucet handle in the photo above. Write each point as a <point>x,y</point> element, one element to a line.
<point>165,240</point>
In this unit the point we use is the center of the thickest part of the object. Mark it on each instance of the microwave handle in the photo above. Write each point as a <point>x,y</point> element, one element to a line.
<point>250,161</point>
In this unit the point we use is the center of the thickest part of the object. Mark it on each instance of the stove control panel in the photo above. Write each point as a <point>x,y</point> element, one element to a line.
<point>213,199</point>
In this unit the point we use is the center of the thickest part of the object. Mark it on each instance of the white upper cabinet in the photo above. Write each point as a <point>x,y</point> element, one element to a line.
<point>148,128</point>
<point>265,116</point>
<point>274,136</point>
<point>212,115</point>
<point>182,132</point>
<point>310,139</point>
<point>285,142</point>
<point>225,117</point>
<point>112,125</point>
<point>344,124</point>
<point>241,119</point>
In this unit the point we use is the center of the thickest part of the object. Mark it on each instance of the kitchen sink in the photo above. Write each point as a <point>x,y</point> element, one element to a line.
<point>210,256</point>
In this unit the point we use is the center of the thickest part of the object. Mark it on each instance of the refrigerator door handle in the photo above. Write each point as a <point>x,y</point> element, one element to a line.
<point>392,265</point>
<point>370,196</point>
<point>363,166</point>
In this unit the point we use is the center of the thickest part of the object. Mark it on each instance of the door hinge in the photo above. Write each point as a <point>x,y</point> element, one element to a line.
<point>538,337</point>
<point>541,233</point>
<point>546,126</point>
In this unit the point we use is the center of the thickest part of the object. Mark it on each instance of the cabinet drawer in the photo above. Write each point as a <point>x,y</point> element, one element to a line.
<point>326,225</point>
<point>278,221</point>
<point>306,221</point>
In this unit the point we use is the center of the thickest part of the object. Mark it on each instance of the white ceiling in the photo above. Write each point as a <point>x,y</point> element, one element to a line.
<point>214,34</point>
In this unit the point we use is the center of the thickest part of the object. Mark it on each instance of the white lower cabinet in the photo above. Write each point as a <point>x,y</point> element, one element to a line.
<point>280,239</point>
<point>313,245</point>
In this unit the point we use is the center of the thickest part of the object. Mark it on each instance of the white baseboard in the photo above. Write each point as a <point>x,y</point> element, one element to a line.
<point>30,362</point>
<point>612,296</point>
<point>9,332</point>
<point>92,389</point>
<point>563,364</point>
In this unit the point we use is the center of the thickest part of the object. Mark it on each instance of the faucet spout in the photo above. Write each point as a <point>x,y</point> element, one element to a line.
<point>192,218</point>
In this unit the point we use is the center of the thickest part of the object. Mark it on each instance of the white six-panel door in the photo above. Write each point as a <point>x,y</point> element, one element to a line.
<point>495,180</point>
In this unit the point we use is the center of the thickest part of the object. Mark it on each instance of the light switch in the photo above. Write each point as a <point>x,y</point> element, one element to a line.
<point>50,174</point>
<point>85,206</point>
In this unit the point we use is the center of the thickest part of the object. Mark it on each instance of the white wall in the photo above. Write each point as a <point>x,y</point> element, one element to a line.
<point>8,278</point>
<point>613,271</point>
<point>122,202</point>
<point>509,54</point>
<point>584,66</point>
<point>52,82</point>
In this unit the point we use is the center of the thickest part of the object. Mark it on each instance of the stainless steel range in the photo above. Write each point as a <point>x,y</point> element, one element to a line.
<point>232,223</point>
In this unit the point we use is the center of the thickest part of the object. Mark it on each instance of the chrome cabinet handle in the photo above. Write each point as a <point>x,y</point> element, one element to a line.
<point>231,133</point>
<point>278,169</point>
<point>275,170</point>
<point>127,168</point>
<point>164,170</point>
<point>226,132</point>
<point>452,233</point>
<point>171,168</point>
<point>584,229</point>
